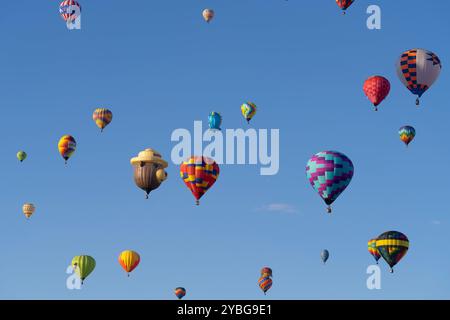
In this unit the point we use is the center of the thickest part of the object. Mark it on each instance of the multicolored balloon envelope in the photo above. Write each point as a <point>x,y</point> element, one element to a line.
<point>376,89</point>
<point>199,174</point>
<point>208,14</point>
<point>102,117</point>
<point>266,272</point>
<point>324,255</point>
<point>214,120</point>
<point>392,246</point>
<point>129,260</point>
<point>418,69</point>
<point>67,146</point>
<point>329,173</point>
<point>28,209</point>
<point>248,110</point>
<point>83,266</point>
<point>180,292</point>
<point>265,283</point>
<point>372,247</point>
<point>344,4</point>
<point>66,9</point>
<point>407,134</point>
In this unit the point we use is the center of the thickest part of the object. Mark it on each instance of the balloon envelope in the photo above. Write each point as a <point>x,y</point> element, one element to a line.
<point>102,117</point>
<point>28,209</point>
<point>392,246</point>
<point>21,155</point>
<point>407,134</point>
<point>67,146</point>
<point>66,9</point>
<point>324,255</point>
<point>83,266</point>
<point>376,89</point>
<point>265,283</point>
<point>129,260</point>
<point>372,247</point>
<point>248,110</point>
<point>180,292</point>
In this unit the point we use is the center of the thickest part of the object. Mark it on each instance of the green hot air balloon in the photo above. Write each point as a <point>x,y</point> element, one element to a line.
<point>83,266</point>
<point>21,155</point>
<point>392,246</point>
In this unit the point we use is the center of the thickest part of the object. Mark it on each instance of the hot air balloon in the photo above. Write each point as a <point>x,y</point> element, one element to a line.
<point>129,260</point>
<point>180,292</point>
<point>28,209</point>
<point>324,255</point>
<point>372,247</point>
<point>83,266</point>
<point>265,283</point>
<point>67,11</point>
<point>21,155</point>
<point>208,15</point>
<point>266,272</point>
<point>392,246</point>
<point>418,69</point>
<point>199,174</point>
<point>376,89</point>
<point>248,110</point>
<point>344,4</point>
<point>149,170</point>
<point>102,117</point>
<point>214,120</point>
<point>67,146</point>
<point>329,173</point>
<point>407,134</point>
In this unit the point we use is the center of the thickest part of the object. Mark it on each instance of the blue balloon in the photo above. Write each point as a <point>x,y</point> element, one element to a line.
<point>214,120</point>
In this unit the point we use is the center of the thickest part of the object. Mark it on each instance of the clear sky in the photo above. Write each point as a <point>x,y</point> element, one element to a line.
<point>158,66</point>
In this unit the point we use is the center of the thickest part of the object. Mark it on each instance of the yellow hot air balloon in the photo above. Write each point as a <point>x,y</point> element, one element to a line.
<point>129,260</point>
<point>28,209</point>
<point>67,146</point>
<point>102,117</point>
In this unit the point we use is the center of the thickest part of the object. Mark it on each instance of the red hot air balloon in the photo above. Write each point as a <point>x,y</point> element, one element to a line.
<point>376,89</point>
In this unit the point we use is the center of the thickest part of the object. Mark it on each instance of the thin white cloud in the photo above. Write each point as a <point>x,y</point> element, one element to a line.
<point>279,207</point>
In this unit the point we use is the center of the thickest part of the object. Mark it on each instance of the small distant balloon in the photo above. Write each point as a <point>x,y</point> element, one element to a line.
<point>376,89</point>
<point>21,156</point>
<point>67,146</point>
<point>344,4</point>
<point>324,255</point>
<point>65,10</point>
<point>180,292</point>
<point>129,260</point>
<point>407,134</point>
<point>214,120</point>
<point>102,117</point>
<point>83,266</point>
<point>266,272</point>
<point>208,14</point>
<point>372,247</point>
<point>265,283</point>
<point>28,209</point>
<point>248,110</point>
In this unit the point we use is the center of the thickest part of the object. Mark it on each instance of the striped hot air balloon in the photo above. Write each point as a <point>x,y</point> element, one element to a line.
<point>102,117</point>
<point>329,173</point>
<point>407,134</point>
<point>265,283</point>
<point>199,174</point>
<point>28,209</point>
<point>180,292</point>
<point>392,246</point>
<point>68,9</point>
<point>129,260</point>
<point>83,266</point>
<point>67,146</point>
<point>248,110</point>
<point>372,247</point>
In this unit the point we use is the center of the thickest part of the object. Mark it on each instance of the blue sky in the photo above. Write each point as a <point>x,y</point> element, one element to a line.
<point>158,66</point>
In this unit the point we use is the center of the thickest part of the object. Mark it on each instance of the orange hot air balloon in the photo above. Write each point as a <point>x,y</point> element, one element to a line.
<point>129,260</point>
<point>67,146</point>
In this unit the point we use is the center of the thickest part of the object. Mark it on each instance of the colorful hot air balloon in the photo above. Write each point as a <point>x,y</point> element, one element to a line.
<point>329,173</point>
<point>199,174</point>
<point>129,260</point>
<point>67,146</point>
<point>418,69</point>
<point>266,272</point>
<point>248,110</point>
<point>372,247</point>
<point>102,117</point>
<point>265,283</point>
<point>376,89</point>
<point>180,292</point>
<point>149,170</point>
<point>208,14</point>
<point>324,255</point>
<point>28,209</point>
<point>83,266</point>
<point>21,155</point>
<point>67,11</point>
<point>392,246</point>
<point>214,120</point>
<point>407,134</point>
<point>344,4</point>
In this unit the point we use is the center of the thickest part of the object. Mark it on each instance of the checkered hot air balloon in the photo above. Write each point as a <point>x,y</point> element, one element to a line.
<point>344,4</point>
<point>376,89</point>
<point>265,283</point>
<point>372,247</point>
<point>199,174</point>
<point>180,292</point>
<point>418,69</point>
<point>407,134</point>
<point>67,9</point>
<point>329,173</point>
<point>392,246</point>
